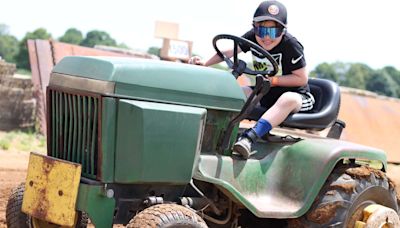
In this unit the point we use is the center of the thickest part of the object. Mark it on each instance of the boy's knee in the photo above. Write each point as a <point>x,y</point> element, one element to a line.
<point>290,99</point>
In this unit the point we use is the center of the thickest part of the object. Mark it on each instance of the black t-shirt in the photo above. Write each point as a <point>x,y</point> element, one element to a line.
<point>288,54</point>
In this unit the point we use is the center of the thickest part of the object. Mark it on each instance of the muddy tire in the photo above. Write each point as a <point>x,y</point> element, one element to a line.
<point>345,194</point>
<point>167,216</point>
<point>14,216</point>
<point>17,219</point>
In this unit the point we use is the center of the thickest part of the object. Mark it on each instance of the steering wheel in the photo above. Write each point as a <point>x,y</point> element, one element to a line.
<point>239,66</point>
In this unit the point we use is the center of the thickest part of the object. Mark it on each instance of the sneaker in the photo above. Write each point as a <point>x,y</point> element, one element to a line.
<point>243,147</point>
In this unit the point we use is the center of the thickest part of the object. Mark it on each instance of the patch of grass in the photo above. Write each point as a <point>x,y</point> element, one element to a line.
<point>5,141</point>
<point>22,141</point>
<point>42,141</point>
<point>24,72</point>
<point>5,144</point>
<point>25,142</point>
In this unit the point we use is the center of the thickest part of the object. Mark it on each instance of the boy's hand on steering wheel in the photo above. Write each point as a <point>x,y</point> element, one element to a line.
<point>196,60</point>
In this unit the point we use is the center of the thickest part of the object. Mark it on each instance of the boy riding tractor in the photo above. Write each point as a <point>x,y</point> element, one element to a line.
<point>148,143</point>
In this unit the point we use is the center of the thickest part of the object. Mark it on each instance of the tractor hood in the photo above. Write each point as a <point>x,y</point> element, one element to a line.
<point>153,80</point>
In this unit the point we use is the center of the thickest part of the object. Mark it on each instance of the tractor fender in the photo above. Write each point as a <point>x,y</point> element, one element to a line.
<point>285,182</point>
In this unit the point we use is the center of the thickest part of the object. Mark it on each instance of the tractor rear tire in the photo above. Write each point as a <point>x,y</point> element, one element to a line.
<point>346,193</point>
<point>167,216</point>
<point>17,219</point>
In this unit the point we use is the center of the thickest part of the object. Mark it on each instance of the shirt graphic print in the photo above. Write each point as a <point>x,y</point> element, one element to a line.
<point>263,64</point>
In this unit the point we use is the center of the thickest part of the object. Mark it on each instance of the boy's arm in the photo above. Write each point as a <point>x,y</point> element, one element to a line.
<point>297,78</point>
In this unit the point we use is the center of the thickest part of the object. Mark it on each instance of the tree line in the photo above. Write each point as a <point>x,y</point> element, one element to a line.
<point>16,51</point>
<point>385,81</point>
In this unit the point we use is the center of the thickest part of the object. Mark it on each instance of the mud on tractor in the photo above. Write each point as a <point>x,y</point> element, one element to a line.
<point>147,143</point>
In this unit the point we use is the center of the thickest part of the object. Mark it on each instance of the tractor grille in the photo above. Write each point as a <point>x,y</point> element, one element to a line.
<point>74,129</point>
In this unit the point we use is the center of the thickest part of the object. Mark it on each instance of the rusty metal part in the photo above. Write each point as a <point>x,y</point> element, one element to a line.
<point>41,61</point>
<point>37,223</point>
<point>51,190</point>
<point>357,215</point>
<point>44,54</point>
<point>74,92</point>
<point>376,215</point>
<point>79,83</point>
<point>220,221</point>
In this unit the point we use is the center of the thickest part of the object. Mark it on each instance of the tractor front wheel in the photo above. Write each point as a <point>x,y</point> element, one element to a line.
<point>14,216</point>
<point>17,219</point>
<point>167,215</point>
<point>345,196</point>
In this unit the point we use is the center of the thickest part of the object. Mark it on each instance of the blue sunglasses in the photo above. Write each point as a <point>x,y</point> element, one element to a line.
<point>272,32</point>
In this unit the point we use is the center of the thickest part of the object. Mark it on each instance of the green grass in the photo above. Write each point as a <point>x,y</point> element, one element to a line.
<point>22,141</point>
<point>5,144</point>
<point>24,72</point>
<point>6,140</point>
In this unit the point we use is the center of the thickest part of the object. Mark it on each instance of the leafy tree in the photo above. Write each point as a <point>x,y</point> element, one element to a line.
<point>341,69</point>
<point>123,45</point>
<point>97,37</point>
<point>8,47</point>
<point>8,44</point>
<point>4,29</point>
<point>395,75</point>
<point>72,36</point>
<point>326,71</point>
<point>393,72</point>
<point>357,76</point>
<point>382,83</point>
<point>23,56</point>
<point>154,51</point>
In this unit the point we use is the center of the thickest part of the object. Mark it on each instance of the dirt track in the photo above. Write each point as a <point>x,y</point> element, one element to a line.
<point>13,167</point>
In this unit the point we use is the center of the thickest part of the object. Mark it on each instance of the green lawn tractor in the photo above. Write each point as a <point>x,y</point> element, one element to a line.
<point>147,143</point>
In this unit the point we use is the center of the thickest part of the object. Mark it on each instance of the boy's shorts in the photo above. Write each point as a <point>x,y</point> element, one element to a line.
<point>307,101</point>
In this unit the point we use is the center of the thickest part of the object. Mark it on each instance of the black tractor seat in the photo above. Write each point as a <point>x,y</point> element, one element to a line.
<point>323,114</point>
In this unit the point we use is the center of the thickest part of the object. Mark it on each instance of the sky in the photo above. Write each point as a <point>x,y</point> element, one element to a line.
<point>354,31</point>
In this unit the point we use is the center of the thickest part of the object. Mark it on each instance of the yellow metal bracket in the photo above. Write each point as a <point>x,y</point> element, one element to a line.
<point>51,189</point>
<point>376,215</point>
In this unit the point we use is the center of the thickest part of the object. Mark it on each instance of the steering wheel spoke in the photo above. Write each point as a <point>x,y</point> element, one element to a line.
<point>237,64</point>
